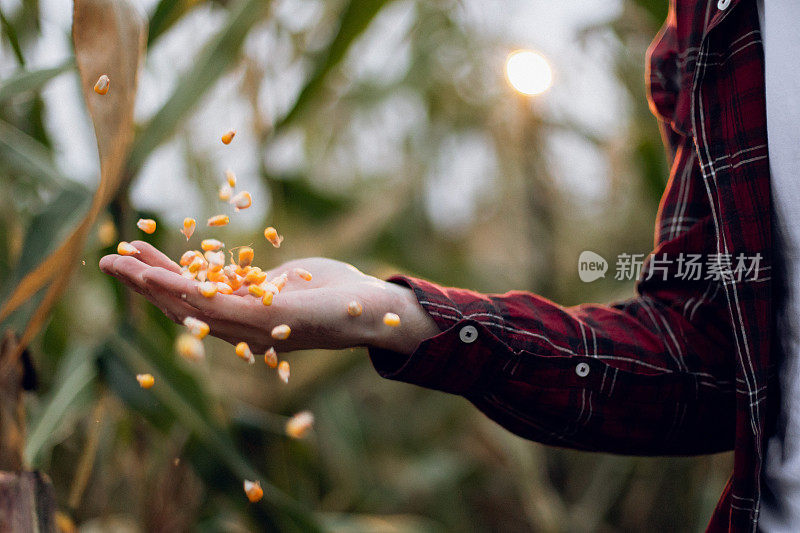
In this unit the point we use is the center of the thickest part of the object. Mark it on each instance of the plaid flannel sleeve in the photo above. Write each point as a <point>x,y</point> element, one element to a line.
<point>637,377</point>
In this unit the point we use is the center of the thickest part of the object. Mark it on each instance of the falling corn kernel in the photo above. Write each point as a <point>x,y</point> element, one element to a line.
<point>298,426</point>
<point>145,380</point>
<point>256,290</point>
<point>245,256</point>
<point>187,258</point>
<point>243,351</point>
<point>281,332</point>
<point>207,288</point>
<point>267,298</point>
<point>303,273</point>
<point>225,192</point>
<point>102,85</point>
<point>188,227</point>
<point>228,137</point>
<point>216,260</point>
<point>219,220</point>
<point>272,236</point>
<point>126,248</point>
<point>242,200</point>
<point>354,308</point>
<point>224,288</point>
<point>147,225</point>
<point>283,371</point>
<point>197,328</point>
<point>231,178</point>
<point>107,233</point>
<point>211,245</point>
<point>391,319</point>
<point>253,490</point>
<point>189,347</point>
<point>271,357</point>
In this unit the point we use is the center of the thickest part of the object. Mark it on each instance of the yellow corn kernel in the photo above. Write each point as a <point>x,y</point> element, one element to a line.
<point>391,319</point>
<point>243,200</point>
<point>216,260</point>
<point>246,255</point>
<point>216,275</point>
<point>231,177</point>
<point>280,281</point>
<point>202,275</point>
<point>208,288</point>
<point>281,332</point>
<point>354,308</point>
<point>225,192</point>
<point>256,290</point>
<point>303,273</point>
<point>253,490</point>
<point>235,281</point>
<point>197,328</point>
<point>224,288</point>
<point>196,264</point>
<point>102,85</point>
<point>271,234</point>
<point>188,274</point>
<point>298,426</point>
<point>271,357</point>
<point>243,351</point>
<point>126,248</point>
<point>219,220</point>
<point>147,225</point>
<point>255,276</point>
<point>267,298</point>
<point>243,271</point>
<point>107,233</point>
<point>228,137</point>
<point>145,380</point>
<point>187,258</point>
<point>188,227</point>
<point>283,371</point>
<point>189,347</point>
<point>211,245</point>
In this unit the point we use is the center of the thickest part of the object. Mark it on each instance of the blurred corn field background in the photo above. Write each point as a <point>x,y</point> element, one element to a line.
<point>378,132</point>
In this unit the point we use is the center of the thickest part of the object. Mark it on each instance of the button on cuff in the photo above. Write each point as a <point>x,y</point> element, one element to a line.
<point>582,369</point>
<point>468,334</point>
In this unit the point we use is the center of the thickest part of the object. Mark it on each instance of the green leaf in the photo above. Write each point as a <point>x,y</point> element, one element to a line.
<point>31,80</point>
<point>69,397</point>
<point>166,14</point>
<point>216,58</point>
<point>180,397</point>
<point>354,20</point>
<point>28,155</point>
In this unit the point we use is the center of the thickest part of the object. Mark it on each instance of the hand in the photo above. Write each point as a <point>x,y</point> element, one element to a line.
<point>315,310</point>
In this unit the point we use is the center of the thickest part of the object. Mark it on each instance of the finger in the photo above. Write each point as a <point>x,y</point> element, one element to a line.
<point>152,256</point>
<point>221,306</point>
<point>107,262</point>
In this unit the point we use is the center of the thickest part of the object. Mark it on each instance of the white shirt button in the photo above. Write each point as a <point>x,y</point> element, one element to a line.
<point>468,334</point>
<point>582,369</point>
<point>722,5</point>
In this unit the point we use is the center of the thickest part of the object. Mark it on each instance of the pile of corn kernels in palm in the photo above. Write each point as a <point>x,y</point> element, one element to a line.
<point>207,266</point>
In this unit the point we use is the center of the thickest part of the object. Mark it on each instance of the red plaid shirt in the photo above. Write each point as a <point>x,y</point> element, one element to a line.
<point>685,367</point>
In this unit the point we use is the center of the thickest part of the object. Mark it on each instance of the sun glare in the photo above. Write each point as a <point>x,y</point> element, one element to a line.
<point>528,72</point>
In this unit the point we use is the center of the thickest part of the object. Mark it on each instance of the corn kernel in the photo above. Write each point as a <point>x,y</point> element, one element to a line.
<point>216,275</point>
<point>189,347</point>
<point>188,274</point>
<point>219,220</point>
<point>187,258</point>
<point>196,264</point>
<point>107,233</point>
<point>271,357</point>
<point>267,298</point>
<point>197,328</point>
<point>283,371</point>
<point>270,288</point>
<point>228,137</point>
<point>235,281</point>
<point>245,256</point>
<point>147,225</point>
<point>202,275</point>
<point>242,200</point>
<point>281,332</point>
<point>243,351</point>
<point>102,85</point>
<point>256,290</point>
<point>211,245</point>
<point>354,308</point>
<point>216,260</point>
<point>280,281</point>
<point>145,380</point>
<point>188,227</point>
<point>126,248</point>
<point>225,192</point>
<point>255,277</point>
<point>253,490</point>
<point>391,319</point>
<point>271,234</point>
<point>208,288</point>
<point>231,177</point>
<point>224,288</point>
<point>298,426</point>
<point>243,271</point>
<point>303,273</point>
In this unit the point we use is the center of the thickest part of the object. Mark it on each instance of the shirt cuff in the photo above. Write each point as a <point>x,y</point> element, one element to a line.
<point>462,359</point>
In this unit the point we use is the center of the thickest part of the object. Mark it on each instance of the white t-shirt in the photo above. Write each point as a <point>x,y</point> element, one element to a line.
<point>780,32</point>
